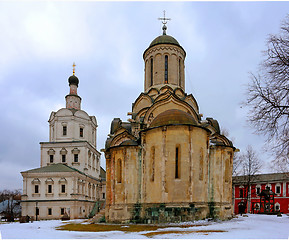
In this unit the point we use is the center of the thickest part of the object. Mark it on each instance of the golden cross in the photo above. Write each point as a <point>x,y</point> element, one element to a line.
<point>73,68</point>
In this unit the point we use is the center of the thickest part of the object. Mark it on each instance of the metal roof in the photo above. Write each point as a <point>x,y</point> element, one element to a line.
<point>269,177</point>
<point>59,167</point>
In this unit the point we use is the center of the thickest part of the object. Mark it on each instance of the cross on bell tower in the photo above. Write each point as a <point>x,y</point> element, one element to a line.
<point>73,65</point>
<point>164,21</point>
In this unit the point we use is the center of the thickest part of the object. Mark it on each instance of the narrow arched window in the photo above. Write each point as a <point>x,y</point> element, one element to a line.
<point>278,188</point>
<point>201,165</point>
<point>177,163</point>
<point>81,132</point>
<point>152,71</point>
<point>119,170</point>
<point>227,170</point>
<point>166,68</point>
<point>152,164</point>
<point>180,73</point>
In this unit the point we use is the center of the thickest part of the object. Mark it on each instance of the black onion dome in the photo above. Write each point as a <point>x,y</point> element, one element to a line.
<point>73,80</point>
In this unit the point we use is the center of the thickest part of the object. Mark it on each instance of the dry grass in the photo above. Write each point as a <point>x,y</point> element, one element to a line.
<point>117,227</point>
<point>107,227</point>
<point>133,228</point>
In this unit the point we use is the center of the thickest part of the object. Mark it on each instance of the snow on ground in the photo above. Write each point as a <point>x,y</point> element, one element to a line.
<point>251,227</point>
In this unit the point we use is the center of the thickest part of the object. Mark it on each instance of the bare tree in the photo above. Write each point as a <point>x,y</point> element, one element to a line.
<point>10,199</point>
<point>237,164</point>
<point>250,162</point>
<point>251,165</point>
<point>280,165</point>
<point>236,158</point>
<point>268,95</point>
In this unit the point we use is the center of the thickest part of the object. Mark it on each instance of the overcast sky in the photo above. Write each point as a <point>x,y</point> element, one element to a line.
<point>40,40</point>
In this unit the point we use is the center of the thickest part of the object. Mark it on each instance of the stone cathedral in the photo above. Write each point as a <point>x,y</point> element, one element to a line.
<point>167,163</point>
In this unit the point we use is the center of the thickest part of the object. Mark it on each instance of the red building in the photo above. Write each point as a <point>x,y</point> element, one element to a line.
<point>247,196</point>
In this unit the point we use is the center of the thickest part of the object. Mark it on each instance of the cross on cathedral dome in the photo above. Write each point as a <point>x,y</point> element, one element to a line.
<point>164,39</point>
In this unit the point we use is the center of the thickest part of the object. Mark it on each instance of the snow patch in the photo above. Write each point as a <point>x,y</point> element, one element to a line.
<point>255,226</point>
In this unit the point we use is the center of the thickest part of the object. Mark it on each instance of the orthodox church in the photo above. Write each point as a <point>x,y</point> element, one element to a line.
<point>69,181</point>
<point>167,163</point>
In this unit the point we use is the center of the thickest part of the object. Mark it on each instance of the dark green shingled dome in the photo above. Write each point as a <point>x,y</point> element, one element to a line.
<point>164,39</point>
<point>73,80</point>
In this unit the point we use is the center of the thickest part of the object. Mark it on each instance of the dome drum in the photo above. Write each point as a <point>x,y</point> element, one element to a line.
<point>164,65</point>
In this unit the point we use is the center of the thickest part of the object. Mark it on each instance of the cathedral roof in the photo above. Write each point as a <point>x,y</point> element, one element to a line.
<point>129,143</point>
<point>173,117</point>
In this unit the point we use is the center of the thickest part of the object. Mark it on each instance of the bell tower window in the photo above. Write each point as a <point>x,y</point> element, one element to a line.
<point>166,68</point>
<point>36,189</point>
<point>63,188</point>
<point>81,132</point>
<point>64,130</point>
<point>152,70</point>
<point>49,190</point>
